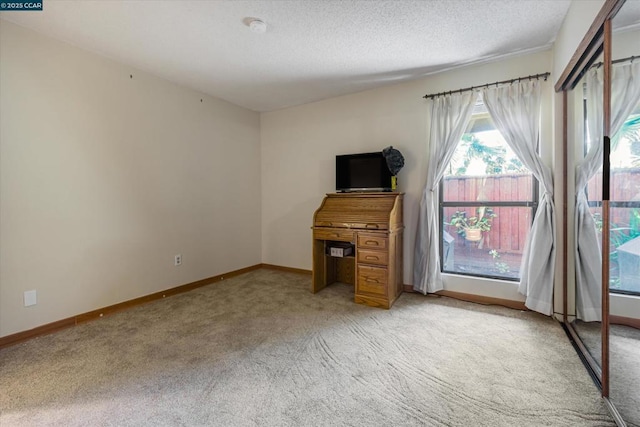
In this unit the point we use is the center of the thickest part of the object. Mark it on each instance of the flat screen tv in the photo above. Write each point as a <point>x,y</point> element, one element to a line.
<point>362,172</point>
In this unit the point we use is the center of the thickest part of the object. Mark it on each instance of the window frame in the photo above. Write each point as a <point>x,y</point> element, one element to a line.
<point>533,204</point>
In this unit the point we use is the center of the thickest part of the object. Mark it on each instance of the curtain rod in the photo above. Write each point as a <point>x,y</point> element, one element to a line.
<point>466,89</point>
<point>617,61</point>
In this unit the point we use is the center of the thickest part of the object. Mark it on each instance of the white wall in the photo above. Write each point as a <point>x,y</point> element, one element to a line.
<point>299,146</point>
<point>574,27</point>
<point>104,178</point>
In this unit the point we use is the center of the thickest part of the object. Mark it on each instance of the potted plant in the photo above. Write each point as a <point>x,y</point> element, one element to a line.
<point>471,228</point>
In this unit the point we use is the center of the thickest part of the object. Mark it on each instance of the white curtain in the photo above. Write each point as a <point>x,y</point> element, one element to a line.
<point>587,252</point>
<point>625,95</point>
<point>450,115</point>
<point>515,109</point>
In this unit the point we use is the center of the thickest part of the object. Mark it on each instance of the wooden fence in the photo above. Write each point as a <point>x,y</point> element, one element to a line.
<point>511,225</point>
<point>625,187</point>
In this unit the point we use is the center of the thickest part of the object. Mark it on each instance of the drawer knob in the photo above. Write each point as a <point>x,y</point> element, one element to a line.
<point>369,279</point>
<point>371,257</point>
<point>372,243</point>
<point>371,225</point>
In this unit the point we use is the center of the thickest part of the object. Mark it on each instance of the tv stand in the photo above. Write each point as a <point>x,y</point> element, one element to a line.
<point>373,223</point>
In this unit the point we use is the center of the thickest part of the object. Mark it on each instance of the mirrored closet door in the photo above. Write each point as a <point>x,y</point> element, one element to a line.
<point>602,197</point>
<point>624,215</point>
<point>584,120</point>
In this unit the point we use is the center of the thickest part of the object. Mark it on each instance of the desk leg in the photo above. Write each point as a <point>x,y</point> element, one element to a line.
<point>319,279</point>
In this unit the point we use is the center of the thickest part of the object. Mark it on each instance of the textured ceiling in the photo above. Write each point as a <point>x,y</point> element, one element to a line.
<point>311,50</point>
<point>628,17</point>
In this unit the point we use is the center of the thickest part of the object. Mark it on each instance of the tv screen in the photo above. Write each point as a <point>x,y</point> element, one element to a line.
<point>362,172</point>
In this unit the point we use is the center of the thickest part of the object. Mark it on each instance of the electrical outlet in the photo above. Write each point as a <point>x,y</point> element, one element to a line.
<point>30,298</point>
<point>178,260</point>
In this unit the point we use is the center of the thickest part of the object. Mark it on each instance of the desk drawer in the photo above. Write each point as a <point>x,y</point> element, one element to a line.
<point>373,257</point>
<point>371,280</point>
<point>334,234</point>
<point>372,241</point>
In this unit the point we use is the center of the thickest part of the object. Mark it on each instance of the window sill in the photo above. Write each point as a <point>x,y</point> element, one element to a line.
<point>481,286</point>
<point>624,305</point>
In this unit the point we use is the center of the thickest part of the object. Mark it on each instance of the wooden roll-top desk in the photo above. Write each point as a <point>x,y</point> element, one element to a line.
<point>372,222</point>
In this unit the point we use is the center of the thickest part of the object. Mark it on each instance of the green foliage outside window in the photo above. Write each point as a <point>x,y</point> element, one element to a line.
<point>494,158</point>
<point>482,220</point>
<point>618,236</point>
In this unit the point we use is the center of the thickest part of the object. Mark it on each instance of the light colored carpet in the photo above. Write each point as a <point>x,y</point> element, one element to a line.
<point>260,349</point>
<point>624,365</point>
<point>591,335</point>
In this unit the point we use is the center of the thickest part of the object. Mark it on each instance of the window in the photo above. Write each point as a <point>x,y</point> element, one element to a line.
<point>487,204</point>
<point>624,204</point>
